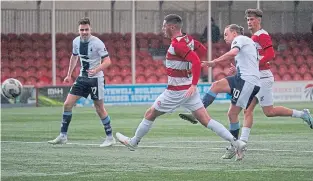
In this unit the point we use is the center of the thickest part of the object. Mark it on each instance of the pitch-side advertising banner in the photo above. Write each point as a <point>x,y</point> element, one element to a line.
<point>140,94</point>
<point>52,96</point>
<point>293,91</point>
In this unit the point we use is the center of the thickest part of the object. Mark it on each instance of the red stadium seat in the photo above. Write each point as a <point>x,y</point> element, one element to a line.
<point>163,79</point>
<point>154,43</point>
<point>116,80</point>
<point>286,77</point>
<point>12,36</point>
<point>127,79</point>
<point>21,79</point>
<point>152,79</point>
<point>303,69</point>
<point>309,58</point>
<point>274,68</point>
<point>293,68</point>
<point>300,60</point>
<point>277,77</point>
<point>125,70</point>
<point>140,79</point>
<point>297,76</point>
<point>307,76</point>
<point>31,81</point>
<point>282,69</point>
<point>47,37</point>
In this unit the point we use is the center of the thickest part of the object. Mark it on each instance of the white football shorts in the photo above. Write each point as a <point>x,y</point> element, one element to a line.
<point>170,100</point>
<point>265,95</point>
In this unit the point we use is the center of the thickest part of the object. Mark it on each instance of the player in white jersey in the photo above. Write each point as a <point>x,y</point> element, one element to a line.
<point>94,58</point>
<point>265,95</point>
<point>244,85</point>
<point>181,89</point>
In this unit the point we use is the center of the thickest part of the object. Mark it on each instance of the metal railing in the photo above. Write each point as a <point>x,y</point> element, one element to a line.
<point>33,21</point>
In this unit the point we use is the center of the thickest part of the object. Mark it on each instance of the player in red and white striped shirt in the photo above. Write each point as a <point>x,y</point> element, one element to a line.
<point>183,70</point>
<point>265,96</point>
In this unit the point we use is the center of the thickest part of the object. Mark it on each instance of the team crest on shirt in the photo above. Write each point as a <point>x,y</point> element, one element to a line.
<point>159,103</point>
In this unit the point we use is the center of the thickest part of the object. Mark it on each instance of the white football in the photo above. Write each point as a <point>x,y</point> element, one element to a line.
<point>11,88</point>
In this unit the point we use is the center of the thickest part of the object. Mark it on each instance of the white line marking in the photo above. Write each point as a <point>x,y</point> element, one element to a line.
<point>18,174</point>
<point>168,147</point>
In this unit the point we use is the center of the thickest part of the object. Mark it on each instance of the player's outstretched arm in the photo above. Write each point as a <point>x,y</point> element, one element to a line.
<point>227,56</point>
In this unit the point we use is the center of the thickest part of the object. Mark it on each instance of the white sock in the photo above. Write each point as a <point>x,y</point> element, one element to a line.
<point>245,132</point>
<point>297,114</point>
<point>220,130</point>
<point>141,131</point>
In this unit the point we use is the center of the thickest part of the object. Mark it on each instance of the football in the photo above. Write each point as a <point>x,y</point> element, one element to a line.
<point>11,88</point>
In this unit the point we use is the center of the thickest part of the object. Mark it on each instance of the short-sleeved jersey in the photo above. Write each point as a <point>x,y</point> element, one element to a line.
<point>178,68</point>
<point>247,63</point>
<point>90,53</point>
<point>262,40</point>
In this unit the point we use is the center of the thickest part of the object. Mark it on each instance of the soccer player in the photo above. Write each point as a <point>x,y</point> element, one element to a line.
<point>265,95</point>
<point>94,58</point>
<point>245,84</point>
<point>182,87</point>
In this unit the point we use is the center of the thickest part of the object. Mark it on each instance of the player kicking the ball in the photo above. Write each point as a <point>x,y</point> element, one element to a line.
<point>182,87</point>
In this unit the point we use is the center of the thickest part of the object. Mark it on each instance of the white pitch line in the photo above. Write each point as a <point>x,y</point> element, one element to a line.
<point>296,141</point>
<point>18,174</point>
<point>169,147</point>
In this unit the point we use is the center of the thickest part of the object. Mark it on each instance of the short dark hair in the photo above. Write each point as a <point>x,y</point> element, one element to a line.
<point>84,21</point>
<point>253,12</point>
<point>237,28</point>
<point>174,19</point>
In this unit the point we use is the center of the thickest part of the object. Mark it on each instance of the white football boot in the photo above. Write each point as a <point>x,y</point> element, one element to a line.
<point>240,147</point>
<point>61,139</point>
<point>230,152</point>
<point>109,141</point>
<point>125,141</point>
<point>307,118</point>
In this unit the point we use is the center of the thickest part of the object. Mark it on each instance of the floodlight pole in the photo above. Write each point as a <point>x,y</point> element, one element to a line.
<point>53,45</point>
<point>209,41</point>
<point>133,42</point>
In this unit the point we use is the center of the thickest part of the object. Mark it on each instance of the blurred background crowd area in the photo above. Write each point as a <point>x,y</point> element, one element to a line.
<point>26,43</point>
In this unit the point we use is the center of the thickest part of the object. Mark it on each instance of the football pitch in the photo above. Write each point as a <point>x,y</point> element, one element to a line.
<point>279,148</point>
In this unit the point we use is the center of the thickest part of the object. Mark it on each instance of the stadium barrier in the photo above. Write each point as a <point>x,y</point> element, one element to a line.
<point>140,94</point>
<point>292,91</point>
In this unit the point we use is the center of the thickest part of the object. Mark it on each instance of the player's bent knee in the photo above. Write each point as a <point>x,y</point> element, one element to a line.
<point>149,115</point>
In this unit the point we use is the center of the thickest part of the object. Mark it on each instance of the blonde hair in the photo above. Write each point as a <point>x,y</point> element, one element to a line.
<point>235,27</point>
